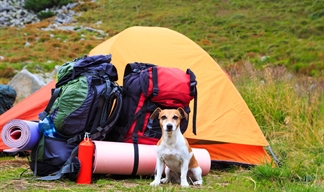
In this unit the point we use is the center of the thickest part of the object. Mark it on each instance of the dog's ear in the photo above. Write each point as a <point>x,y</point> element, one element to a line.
<point>156,113</point>
<point>183,113</point>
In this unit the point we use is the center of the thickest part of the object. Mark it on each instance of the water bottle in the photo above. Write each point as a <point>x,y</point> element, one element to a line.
<point>46,126</point>
<point>85,155</point>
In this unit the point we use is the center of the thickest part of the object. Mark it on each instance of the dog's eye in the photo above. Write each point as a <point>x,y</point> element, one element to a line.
<point>175,117</point>
<point>163,117</point>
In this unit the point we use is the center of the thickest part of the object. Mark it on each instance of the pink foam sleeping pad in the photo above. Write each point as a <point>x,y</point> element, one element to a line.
<point>118,158</point>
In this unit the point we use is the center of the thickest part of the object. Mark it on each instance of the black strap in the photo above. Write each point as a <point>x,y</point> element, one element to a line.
<point>100,108</point>
<point>36,159</point>
<point>123,130</point>
<point>136,154</point>
<point>147,106</point>
<point>106,127</point>
<point>36,153</point>
<point>55,94</point>
<point>194,120</point>
<point>155,82</point>
<point>68,167</point>
<point>193,92</point>
<point>136,158</point>
<point>155,90</point>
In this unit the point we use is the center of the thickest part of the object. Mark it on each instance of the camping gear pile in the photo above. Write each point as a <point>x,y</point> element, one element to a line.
<point>225,126</point>
<point>87,105</point>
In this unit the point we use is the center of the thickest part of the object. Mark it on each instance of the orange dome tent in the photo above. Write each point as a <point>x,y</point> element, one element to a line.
<point>225,125</point>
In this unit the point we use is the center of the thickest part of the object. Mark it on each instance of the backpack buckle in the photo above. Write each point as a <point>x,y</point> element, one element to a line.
<point>155,91</point>
<point>135,138</point>
<point>150,124</point>
<point>136,70</point>
<point>193,87</point>
<point>42,115</point>
<point>193,83</point>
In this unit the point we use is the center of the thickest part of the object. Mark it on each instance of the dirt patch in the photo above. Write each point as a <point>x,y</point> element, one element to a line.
<point>12,163</point>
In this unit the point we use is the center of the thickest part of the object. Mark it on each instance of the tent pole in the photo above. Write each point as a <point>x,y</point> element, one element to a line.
<point>274,156</point>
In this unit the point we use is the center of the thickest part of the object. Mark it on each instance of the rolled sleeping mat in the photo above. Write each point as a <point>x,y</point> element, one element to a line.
<point>20,135</point>
<point>118,158</point>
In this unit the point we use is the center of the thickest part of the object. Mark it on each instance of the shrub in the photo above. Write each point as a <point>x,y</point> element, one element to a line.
<point>39,5</point>
<point>45,14</point>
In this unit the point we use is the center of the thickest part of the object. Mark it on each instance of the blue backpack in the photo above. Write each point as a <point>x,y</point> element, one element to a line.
<point>86,100</point>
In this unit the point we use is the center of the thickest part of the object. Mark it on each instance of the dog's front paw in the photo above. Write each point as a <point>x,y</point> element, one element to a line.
<point>165,180</point>
<point>155,183</point>
<point>198,182</point>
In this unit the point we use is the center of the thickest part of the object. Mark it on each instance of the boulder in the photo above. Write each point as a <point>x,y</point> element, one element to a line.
<point>25,83</point>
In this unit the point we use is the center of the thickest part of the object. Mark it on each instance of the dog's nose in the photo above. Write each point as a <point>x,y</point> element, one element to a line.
<point>169,127</point>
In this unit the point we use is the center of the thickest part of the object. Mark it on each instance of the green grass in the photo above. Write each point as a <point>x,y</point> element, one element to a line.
<point>284,90</point>
<point>261,178</point>
<point>290,113</point>
<point>288,33</point>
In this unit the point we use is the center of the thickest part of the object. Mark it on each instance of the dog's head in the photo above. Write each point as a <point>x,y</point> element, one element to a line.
<point>169,118</point>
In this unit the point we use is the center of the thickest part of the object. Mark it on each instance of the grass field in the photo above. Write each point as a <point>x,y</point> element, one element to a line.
<point>273,50</point>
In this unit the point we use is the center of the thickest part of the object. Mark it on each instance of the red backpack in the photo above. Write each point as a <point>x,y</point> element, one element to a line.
<point>146,87</point>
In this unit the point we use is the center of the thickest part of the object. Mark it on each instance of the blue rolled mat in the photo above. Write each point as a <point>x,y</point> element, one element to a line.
<point>20,135</point>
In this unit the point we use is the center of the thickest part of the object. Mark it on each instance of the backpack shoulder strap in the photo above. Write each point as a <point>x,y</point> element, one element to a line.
<point>55,94</point>
<point>148,106</point>
<point>155,91</point>
<point>113,107</point>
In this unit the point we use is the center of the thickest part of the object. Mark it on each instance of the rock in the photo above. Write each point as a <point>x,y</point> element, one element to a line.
<point>13,14</point>
<point>47,77</point>
<point>264,58</point>
<point>95,30</point>
<point>64,17</point>
<point>27,44</point>
<point>25,83</point>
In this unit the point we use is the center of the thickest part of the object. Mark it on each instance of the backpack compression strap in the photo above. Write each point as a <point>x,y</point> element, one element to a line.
<point>68,167</point>
<point>194,93</point>
<point>140,122</point>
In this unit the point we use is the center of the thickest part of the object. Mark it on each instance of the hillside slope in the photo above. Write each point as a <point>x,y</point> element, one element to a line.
<point>286,33</point>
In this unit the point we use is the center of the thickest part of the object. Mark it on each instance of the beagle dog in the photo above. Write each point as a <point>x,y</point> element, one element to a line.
<point>174,152</point>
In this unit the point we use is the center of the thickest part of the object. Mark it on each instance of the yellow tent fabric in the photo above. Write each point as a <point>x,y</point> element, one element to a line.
<point>225,125</point>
